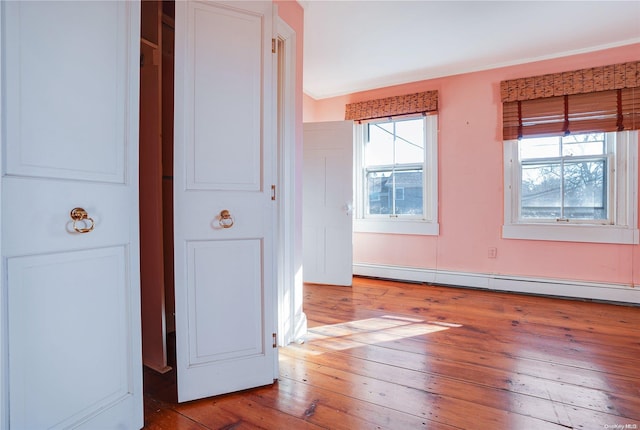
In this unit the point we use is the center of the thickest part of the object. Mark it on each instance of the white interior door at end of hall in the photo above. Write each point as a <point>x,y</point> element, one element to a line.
<point>224,154</point>
<point>327,220</point>
<point>70,133</point>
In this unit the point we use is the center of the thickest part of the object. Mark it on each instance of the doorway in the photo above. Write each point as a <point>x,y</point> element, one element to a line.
<point>126,327</point>
<point>156,192</point>
<point>156,182</point>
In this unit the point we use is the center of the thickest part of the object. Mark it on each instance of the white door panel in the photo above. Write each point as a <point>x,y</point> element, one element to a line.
<point>44,353</point>
<point>224,259</point>
<point>222,156</point>
<point>70,91</point>
<point>55,95</point>
<point>224,152</point>
<point>327,218</point>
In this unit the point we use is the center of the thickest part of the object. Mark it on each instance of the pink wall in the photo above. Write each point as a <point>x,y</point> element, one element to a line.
<point>292,13</point>
<point>309,107</point>
<point>471,185</point>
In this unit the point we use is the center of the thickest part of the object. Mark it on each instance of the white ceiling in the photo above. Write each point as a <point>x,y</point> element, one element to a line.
<point>357,45</point>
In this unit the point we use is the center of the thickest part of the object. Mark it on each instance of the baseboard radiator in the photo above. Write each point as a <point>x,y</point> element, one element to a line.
<point>596,291</point>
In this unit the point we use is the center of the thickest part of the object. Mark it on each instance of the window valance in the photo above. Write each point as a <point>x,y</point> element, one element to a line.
<point>423,102</point>
<point>599,99</point>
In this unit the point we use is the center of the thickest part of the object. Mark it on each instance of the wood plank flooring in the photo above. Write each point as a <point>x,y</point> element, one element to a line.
<point>391,355</point>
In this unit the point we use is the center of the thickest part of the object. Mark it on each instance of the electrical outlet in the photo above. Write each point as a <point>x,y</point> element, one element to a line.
<point>493,252</point>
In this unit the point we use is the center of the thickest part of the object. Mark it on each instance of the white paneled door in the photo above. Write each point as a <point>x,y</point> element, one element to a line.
<point>327,214</point>
<point>224,161</point>
<point>71,323</point>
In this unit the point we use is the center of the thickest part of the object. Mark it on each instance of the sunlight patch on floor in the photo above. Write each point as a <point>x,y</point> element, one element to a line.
<point>386,328</point>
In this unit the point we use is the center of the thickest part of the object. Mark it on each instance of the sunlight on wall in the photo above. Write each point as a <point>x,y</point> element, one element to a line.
<point>300,318</point>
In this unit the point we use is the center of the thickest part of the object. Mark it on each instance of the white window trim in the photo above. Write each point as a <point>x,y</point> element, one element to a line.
<point>625,229</point>
<point>428,225</point>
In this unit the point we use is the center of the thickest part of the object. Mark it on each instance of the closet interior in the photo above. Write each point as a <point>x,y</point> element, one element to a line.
<point>156,181</point>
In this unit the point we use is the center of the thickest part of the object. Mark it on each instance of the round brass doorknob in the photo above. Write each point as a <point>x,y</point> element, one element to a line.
<point>79,214</point>
<point>226,220</point>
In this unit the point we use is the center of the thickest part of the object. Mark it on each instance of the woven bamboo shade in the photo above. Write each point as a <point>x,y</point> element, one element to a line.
<point>599,99</point>
<point>393,106</point>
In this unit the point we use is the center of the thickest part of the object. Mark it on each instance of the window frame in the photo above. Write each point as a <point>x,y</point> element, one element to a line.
<point>622,226</point>
<point>608,156</point>
<point>427,223</point>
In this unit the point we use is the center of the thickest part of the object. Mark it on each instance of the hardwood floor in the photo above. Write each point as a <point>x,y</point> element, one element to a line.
<point>390,355</point>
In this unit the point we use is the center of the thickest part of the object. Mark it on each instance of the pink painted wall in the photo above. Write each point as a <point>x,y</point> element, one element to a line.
<point>292,13</point>
<point>471,191</point>
<point>309,107</point>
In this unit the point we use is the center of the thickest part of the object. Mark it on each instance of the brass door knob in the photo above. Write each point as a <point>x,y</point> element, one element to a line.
<point>226,220</point>
<point>81,215</point>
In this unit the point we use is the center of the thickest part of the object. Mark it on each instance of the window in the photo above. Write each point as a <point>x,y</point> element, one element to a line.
<point>578,187</point>
<point>396,163</point>
<point>396,177</point>
<point>566,178</point>
<point>393,161</point>
<point>570,154</point>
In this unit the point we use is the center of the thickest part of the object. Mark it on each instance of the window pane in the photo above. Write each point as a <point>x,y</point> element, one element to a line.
<point>409,141</point>
<point>541,191</point>
<point>379,185</point>
<point>394,156</point>
<point>539,147</point>
<point>409,192</point>
<point>585,190</point>
<point>583,144</point>
<point>378,151</point>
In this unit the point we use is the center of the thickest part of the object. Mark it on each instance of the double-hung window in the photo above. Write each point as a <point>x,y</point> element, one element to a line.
<point>393,168</point>
<point>396,175</point>
<point>580,188</point>
<point>567,178</point>
<point>396,161</point>
<point>570,161</point>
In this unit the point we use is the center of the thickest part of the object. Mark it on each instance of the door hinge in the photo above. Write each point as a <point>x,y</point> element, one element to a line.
<point>273,46</point>
<point>273,192</point>
<point>275,340</point>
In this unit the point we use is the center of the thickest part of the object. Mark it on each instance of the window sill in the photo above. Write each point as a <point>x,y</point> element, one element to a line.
<point>396,226</point>
<point>572,233</point>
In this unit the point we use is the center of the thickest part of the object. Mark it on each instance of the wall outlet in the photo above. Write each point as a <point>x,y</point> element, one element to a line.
<point>492,252</point>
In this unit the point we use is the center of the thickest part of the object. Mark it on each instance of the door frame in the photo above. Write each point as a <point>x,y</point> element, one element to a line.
<point>291,320</point>
<point>4,340</point>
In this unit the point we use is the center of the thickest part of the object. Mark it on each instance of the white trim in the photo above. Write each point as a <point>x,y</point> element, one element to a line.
<point>624,231</point>
<point>572,233</point>
<point>622,293</point>
<point>396,226</point>
<point>292,322</point>
<point>4,324</point>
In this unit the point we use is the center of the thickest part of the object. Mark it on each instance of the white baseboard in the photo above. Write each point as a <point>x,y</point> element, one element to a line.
<point>519,284</point>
